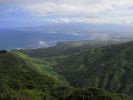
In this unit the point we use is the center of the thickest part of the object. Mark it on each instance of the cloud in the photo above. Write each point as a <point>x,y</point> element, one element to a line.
<point>67,11</point>
<point>43,44</point>
<point>46,43</point>
<point>64,8</point>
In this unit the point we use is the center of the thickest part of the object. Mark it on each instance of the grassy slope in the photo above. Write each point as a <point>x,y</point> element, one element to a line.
<point>43,67</point>
<point>20,81</point>
<point>108,67</point>
<point>105,67</point>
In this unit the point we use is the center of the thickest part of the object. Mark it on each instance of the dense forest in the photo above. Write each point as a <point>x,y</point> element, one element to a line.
<point>91,73</point>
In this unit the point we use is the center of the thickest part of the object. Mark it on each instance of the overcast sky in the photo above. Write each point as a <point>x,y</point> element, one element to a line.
<point>16,12</point>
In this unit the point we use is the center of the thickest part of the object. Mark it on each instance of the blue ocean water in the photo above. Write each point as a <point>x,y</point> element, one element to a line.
<point>10,39</point>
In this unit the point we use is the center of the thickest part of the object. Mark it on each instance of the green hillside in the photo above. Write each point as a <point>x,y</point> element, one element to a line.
<point>21,80</point>
<point>107,67</point>
<point>67,48</point>
<point>42,66</point>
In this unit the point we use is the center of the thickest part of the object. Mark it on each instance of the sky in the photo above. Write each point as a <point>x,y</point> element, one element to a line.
<point>41,12</point>
<point>97,18</point>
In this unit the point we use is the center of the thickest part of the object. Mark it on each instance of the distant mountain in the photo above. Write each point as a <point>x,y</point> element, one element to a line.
<point>97,31</point>
<point>81,28</point>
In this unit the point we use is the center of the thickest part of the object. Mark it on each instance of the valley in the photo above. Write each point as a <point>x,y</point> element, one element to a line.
<point>66,49</point>
<point>68,71</point>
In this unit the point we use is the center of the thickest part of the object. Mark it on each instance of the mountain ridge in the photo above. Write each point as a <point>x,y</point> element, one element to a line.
<point>108,67</point>
<point>20,81</point>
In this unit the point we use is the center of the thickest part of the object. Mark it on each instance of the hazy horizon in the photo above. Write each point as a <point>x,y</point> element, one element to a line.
<point>22,22</point>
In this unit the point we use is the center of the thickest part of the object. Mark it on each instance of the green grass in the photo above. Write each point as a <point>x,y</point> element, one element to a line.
<point>43,67</point>
<point>19,80</point>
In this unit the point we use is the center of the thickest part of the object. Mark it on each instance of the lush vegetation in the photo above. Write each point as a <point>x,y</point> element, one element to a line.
<point>67,48</point>
<point>46,78</point>
<point>19,80</point>
<point>44,67</point>
<point>108,67</point>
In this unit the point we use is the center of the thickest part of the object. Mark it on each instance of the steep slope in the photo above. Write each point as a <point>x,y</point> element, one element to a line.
<point>88,94</point>
<point>20,81</point>
<point>108,67</point>
<point>44,67</point>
